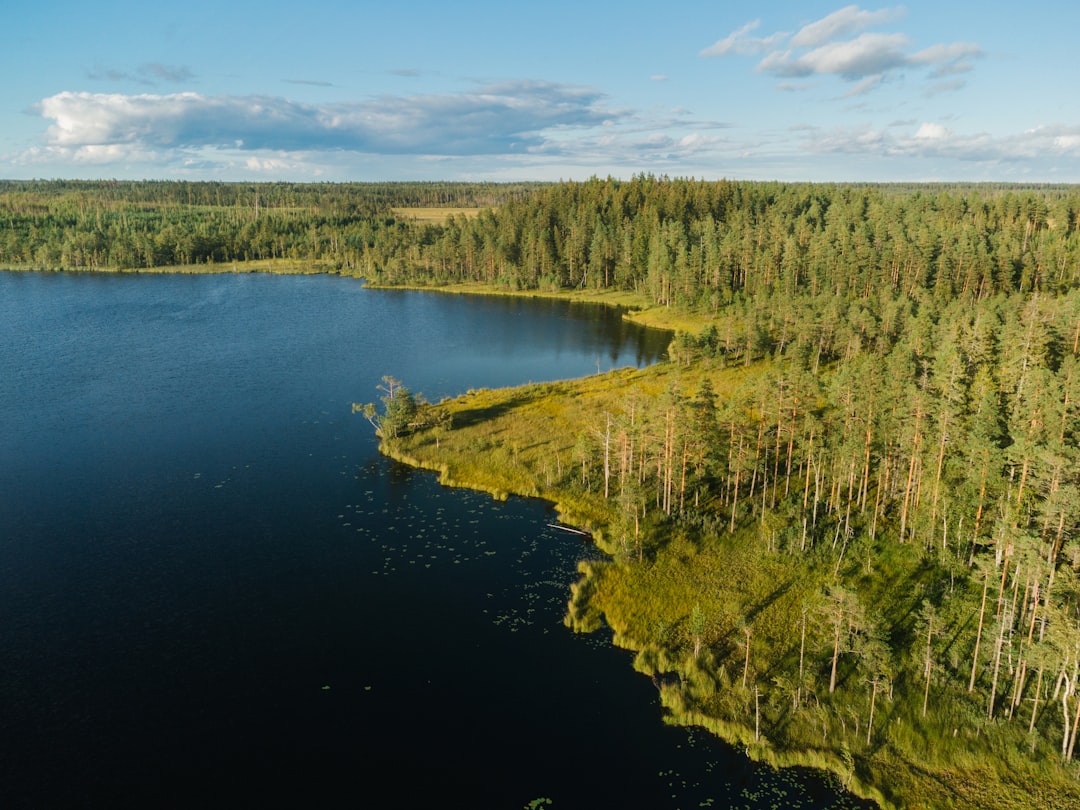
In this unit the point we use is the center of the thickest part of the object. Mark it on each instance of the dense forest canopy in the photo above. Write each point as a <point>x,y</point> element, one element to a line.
<point>98,225</point>
<point>883,397</point>
<point>684,242</point>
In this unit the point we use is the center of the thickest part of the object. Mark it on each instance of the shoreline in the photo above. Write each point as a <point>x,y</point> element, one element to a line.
<point>633,306</point>
<point>733,733</point>
<point>456,470</point>
<point>276,267</point>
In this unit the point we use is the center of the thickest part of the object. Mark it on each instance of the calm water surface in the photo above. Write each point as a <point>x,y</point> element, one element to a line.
<point>215,592</point>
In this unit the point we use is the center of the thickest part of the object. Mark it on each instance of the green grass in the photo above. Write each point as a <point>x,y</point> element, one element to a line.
<point>435,216</point>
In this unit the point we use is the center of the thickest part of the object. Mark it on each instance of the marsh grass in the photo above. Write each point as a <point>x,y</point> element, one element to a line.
<point>944,760</point>
<point>435,216</point>
<point>522,441</point>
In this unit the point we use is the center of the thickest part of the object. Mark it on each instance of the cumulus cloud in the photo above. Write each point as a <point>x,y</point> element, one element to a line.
<point>847,20</point>
<point>932,131</point>
<point>854,59</point>
<point>510,129</point>
<point>1068,142</point>
<point>700,142</point>
<point>502,118</point>
<point>92,155</point>
<point>841,45</point>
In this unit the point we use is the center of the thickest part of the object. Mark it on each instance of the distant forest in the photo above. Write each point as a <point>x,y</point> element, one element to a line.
<point>102,225</point>
<point>681,242</point>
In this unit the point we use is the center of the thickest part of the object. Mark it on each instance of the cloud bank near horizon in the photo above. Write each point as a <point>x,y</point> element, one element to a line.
<point>534,124</point>
<point>506,118</point>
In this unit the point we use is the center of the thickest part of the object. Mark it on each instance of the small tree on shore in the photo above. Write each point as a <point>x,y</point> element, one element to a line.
<point>398,412</point>
<point>403,413</point>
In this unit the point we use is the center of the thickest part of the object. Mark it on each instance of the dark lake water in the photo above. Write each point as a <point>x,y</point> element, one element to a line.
<point>215,592</point>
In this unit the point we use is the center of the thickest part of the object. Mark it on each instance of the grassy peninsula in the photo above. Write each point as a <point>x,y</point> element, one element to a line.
<point>740,618</point>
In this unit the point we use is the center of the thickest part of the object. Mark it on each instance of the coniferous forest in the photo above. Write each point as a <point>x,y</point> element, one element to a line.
<point>842,519</point>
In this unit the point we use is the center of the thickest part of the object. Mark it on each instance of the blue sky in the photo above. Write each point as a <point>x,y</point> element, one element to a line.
<point>333,91</point>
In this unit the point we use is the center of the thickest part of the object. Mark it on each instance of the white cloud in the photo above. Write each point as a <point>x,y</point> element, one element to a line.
<point>839,44</point>
<point>90,155</point>
<point>945,54</point>
<point>501,118</point>
<point>699,142</point>
<point>934,140</point>
<point>272,165</point>
<point>1068,143</point>
<point>511,129</point>
<point>739,43</point>
<point>847,20</point>
<point>929,131</point>
<point>866,55</point>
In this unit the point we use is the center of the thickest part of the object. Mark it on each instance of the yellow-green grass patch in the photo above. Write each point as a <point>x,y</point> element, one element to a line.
<point>435,216</point>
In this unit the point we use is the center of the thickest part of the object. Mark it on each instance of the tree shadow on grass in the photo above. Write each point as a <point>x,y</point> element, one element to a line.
<point>471,417</point>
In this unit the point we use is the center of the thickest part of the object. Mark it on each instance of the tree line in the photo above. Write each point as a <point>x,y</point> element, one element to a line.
<point>702,244</point>
<point>680,242</point>
<point>102,225</point>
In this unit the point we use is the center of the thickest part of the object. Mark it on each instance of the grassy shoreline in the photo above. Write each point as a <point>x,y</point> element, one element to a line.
<point>281,267</point>
<point>500,435</point>
<point>636,307</point>
<point>505,443</point>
